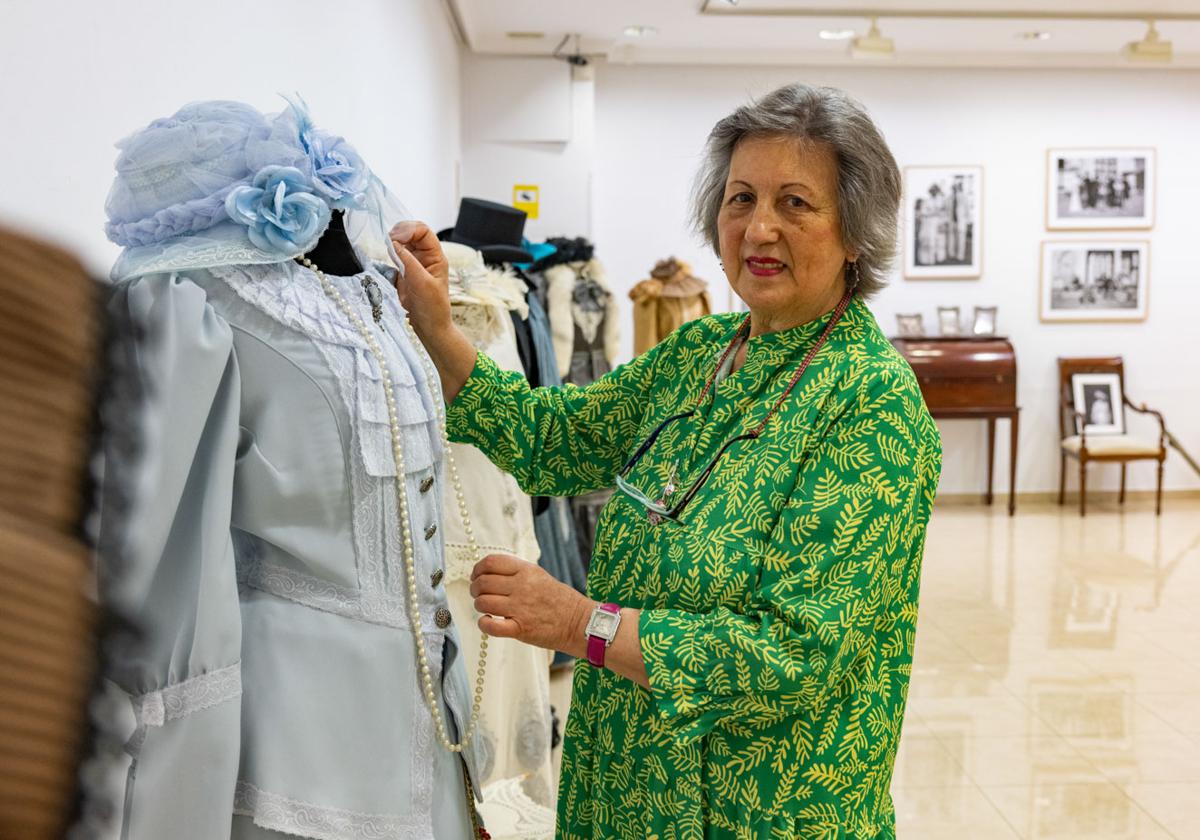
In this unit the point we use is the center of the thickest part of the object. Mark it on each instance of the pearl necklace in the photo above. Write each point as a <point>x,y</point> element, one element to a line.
<point>406,527</point>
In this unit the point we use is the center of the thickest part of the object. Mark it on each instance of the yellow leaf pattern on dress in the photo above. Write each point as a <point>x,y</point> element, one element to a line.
<point>778,619</point>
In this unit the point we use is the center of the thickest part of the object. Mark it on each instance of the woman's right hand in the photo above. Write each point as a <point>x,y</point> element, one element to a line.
<point>425,293</point>
<point>425,288</point>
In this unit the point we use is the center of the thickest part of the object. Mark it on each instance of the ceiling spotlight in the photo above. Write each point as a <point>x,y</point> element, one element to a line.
<point>1151,48</point>
<point>836,34</point>
<point>1034,36</point>
<point>640,31</point>
<point>873,46</point>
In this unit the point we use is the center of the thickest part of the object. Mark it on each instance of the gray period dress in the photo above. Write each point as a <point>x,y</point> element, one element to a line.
<point>276,691</point>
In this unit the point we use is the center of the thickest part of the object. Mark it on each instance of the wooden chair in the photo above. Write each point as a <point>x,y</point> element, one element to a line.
<point>1107,448</point>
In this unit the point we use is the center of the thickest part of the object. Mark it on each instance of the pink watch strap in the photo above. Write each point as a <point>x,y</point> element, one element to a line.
<point>597,646</point>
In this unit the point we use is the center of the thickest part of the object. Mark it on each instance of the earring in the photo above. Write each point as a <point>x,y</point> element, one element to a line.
<point>852,274</point>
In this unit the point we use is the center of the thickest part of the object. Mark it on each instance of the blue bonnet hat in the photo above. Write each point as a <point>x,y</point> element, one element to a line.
<point>219,183</point>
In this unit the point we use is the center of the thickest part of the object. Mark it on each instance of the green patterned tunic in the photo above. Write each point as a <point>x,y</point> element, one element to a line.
<point>778,619</point>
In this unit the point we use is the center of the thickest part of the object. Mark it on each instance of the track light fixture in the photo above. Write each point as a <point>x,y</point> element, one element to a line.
<point>873,46</point>
<point>1150,49</point>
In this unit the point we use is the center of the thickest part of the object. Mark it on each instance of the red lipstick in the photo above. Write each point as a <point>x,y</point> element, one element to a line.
<point>764,266</point>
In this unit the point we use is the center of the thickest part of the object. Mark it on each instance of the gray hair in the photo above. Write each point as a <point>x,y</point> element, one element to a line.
<point>868,178</point>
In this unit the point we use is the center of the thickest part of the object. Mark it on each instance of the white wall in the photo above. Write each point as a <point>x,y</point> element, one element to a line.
<point>562,169</point>
<point>79,76</point>
<point>651,123</point>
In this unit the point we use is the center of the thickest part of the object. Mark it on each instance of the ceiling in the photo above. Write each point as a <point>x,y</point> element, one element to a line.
<point>955,33</point>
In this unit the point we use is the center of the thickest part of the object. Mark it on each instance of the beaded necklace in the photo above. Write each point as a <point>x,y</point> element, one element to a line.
<point>405,525</point>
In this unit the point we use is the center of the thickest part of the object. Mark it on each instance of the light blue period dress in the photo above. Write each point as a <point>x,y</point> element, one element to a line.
<point>276,689</point>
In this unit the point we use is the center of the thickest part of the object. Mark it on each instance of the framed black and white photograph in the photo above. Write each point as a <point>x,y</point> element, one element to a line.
<point>1097,280</point>
<point>1098,398</point>
<point>910,325</point>
<point>943,222</point>
<point>984,323</point>
<point>949,321</point>
<point>1100,189</point>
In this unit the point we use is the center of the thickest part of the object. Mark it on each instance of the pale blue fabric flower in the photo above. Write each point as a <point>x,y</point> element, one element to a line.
<point>279,210</point>
<point>337,170</point>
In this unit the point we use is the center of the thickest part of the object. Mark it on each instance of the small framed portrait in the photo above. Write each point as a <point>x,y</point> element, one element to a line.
<point>1097,280</point>
<point>1100,189</point>
<point>1098,398</point>
<point>984,323</point>
<point>949,321</point>
<point>943,222</point>
<point>910,326</point>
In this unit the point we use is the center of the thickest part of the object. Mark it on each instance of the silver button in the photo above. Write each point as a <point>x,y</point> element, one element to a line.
<point>510,509</point>
<point>430,531</point>
<point>426,485</point>
<point>442,618</point>
<point>436,577</point>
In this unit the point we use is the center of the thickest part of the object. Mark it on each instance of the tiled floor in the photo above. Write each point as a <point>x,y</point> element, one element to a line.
<point>1056,687</point>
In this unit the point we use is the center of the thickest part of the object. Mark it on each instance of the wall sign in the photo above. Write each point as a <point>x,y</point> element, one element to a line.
<point>525,197</point>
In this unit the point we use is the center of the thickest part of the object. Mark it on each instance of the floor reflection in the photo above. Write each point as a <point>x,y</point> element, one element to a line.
<point>1056,667</point>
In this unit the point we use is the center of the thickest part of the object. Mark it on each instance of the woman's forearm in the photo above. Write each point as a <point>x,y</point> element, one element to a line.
<point>453,355</point>
<point>624,655</point>
<point>520,600</point>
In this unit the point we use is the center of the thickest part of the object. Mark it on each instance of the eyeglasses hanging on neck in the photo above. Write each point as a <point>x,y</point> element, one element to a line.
<point>663,509</point>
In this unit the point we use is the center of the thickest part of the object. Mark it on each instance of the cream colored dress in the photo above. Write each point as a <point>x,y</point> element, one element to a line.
<point>515,721</point>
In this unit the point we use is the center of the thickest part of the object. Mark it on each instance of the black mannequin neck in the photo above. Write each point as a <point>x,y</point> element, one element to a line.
<point>333,253</point>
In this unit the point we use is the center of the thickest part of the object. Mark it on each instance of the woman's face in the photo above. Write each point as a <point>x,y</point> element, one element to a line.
<point>781,243</point>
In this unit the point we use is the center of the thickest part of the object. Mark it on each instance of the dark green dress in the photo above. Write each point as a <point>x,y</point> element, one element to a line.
<point>778,620</point>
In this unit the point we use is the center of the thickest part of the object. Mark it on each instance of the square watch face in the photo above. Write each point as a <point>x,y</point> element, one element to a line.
<point>603,624</point>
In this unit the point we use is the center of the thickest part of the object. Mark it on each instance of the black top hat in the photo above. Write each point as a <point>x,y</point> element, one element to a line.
<point>495,230</point>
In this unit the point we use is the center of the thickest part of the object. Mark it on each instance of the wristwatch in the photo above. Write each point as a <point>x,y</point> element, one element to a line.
<point>601,630</point>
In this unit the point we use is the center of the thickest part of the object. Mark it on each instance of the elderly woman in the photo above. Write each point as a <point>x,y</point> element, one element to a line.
<point>753,592</point>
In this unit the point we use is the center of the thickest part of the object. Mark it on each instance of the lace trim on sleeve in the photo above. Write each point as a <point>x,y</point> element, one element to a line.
<point>157,708</point>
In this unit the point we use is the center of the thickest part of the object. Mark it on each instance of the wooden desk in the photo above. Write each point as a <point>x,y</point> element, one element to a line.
<point>969,378</point>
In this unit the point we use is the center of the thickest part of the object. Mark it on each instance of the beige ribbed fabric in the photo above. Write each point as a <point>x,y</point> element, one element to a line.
<point>48,351</point>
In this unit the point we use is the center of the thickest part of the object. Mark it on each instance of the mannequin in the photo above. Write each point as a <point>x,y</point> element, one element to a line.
<point>333,252</point>
<point>300,672</point>
<point>670,297</point>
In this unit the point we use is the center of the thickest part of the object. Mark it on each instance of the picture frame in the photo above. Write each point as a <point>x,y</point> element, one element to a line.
<point>949,321</point>
<point>1100,188</point>
<point>984,322</point>
<point>1098,397</point>
<point>910,325</point>
<point>943,222</point>
<point>1095,280</point>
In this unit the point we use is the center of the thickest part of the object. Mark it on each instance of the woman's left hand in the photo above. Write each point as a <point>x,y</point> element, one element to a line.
<point>520,600</point>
